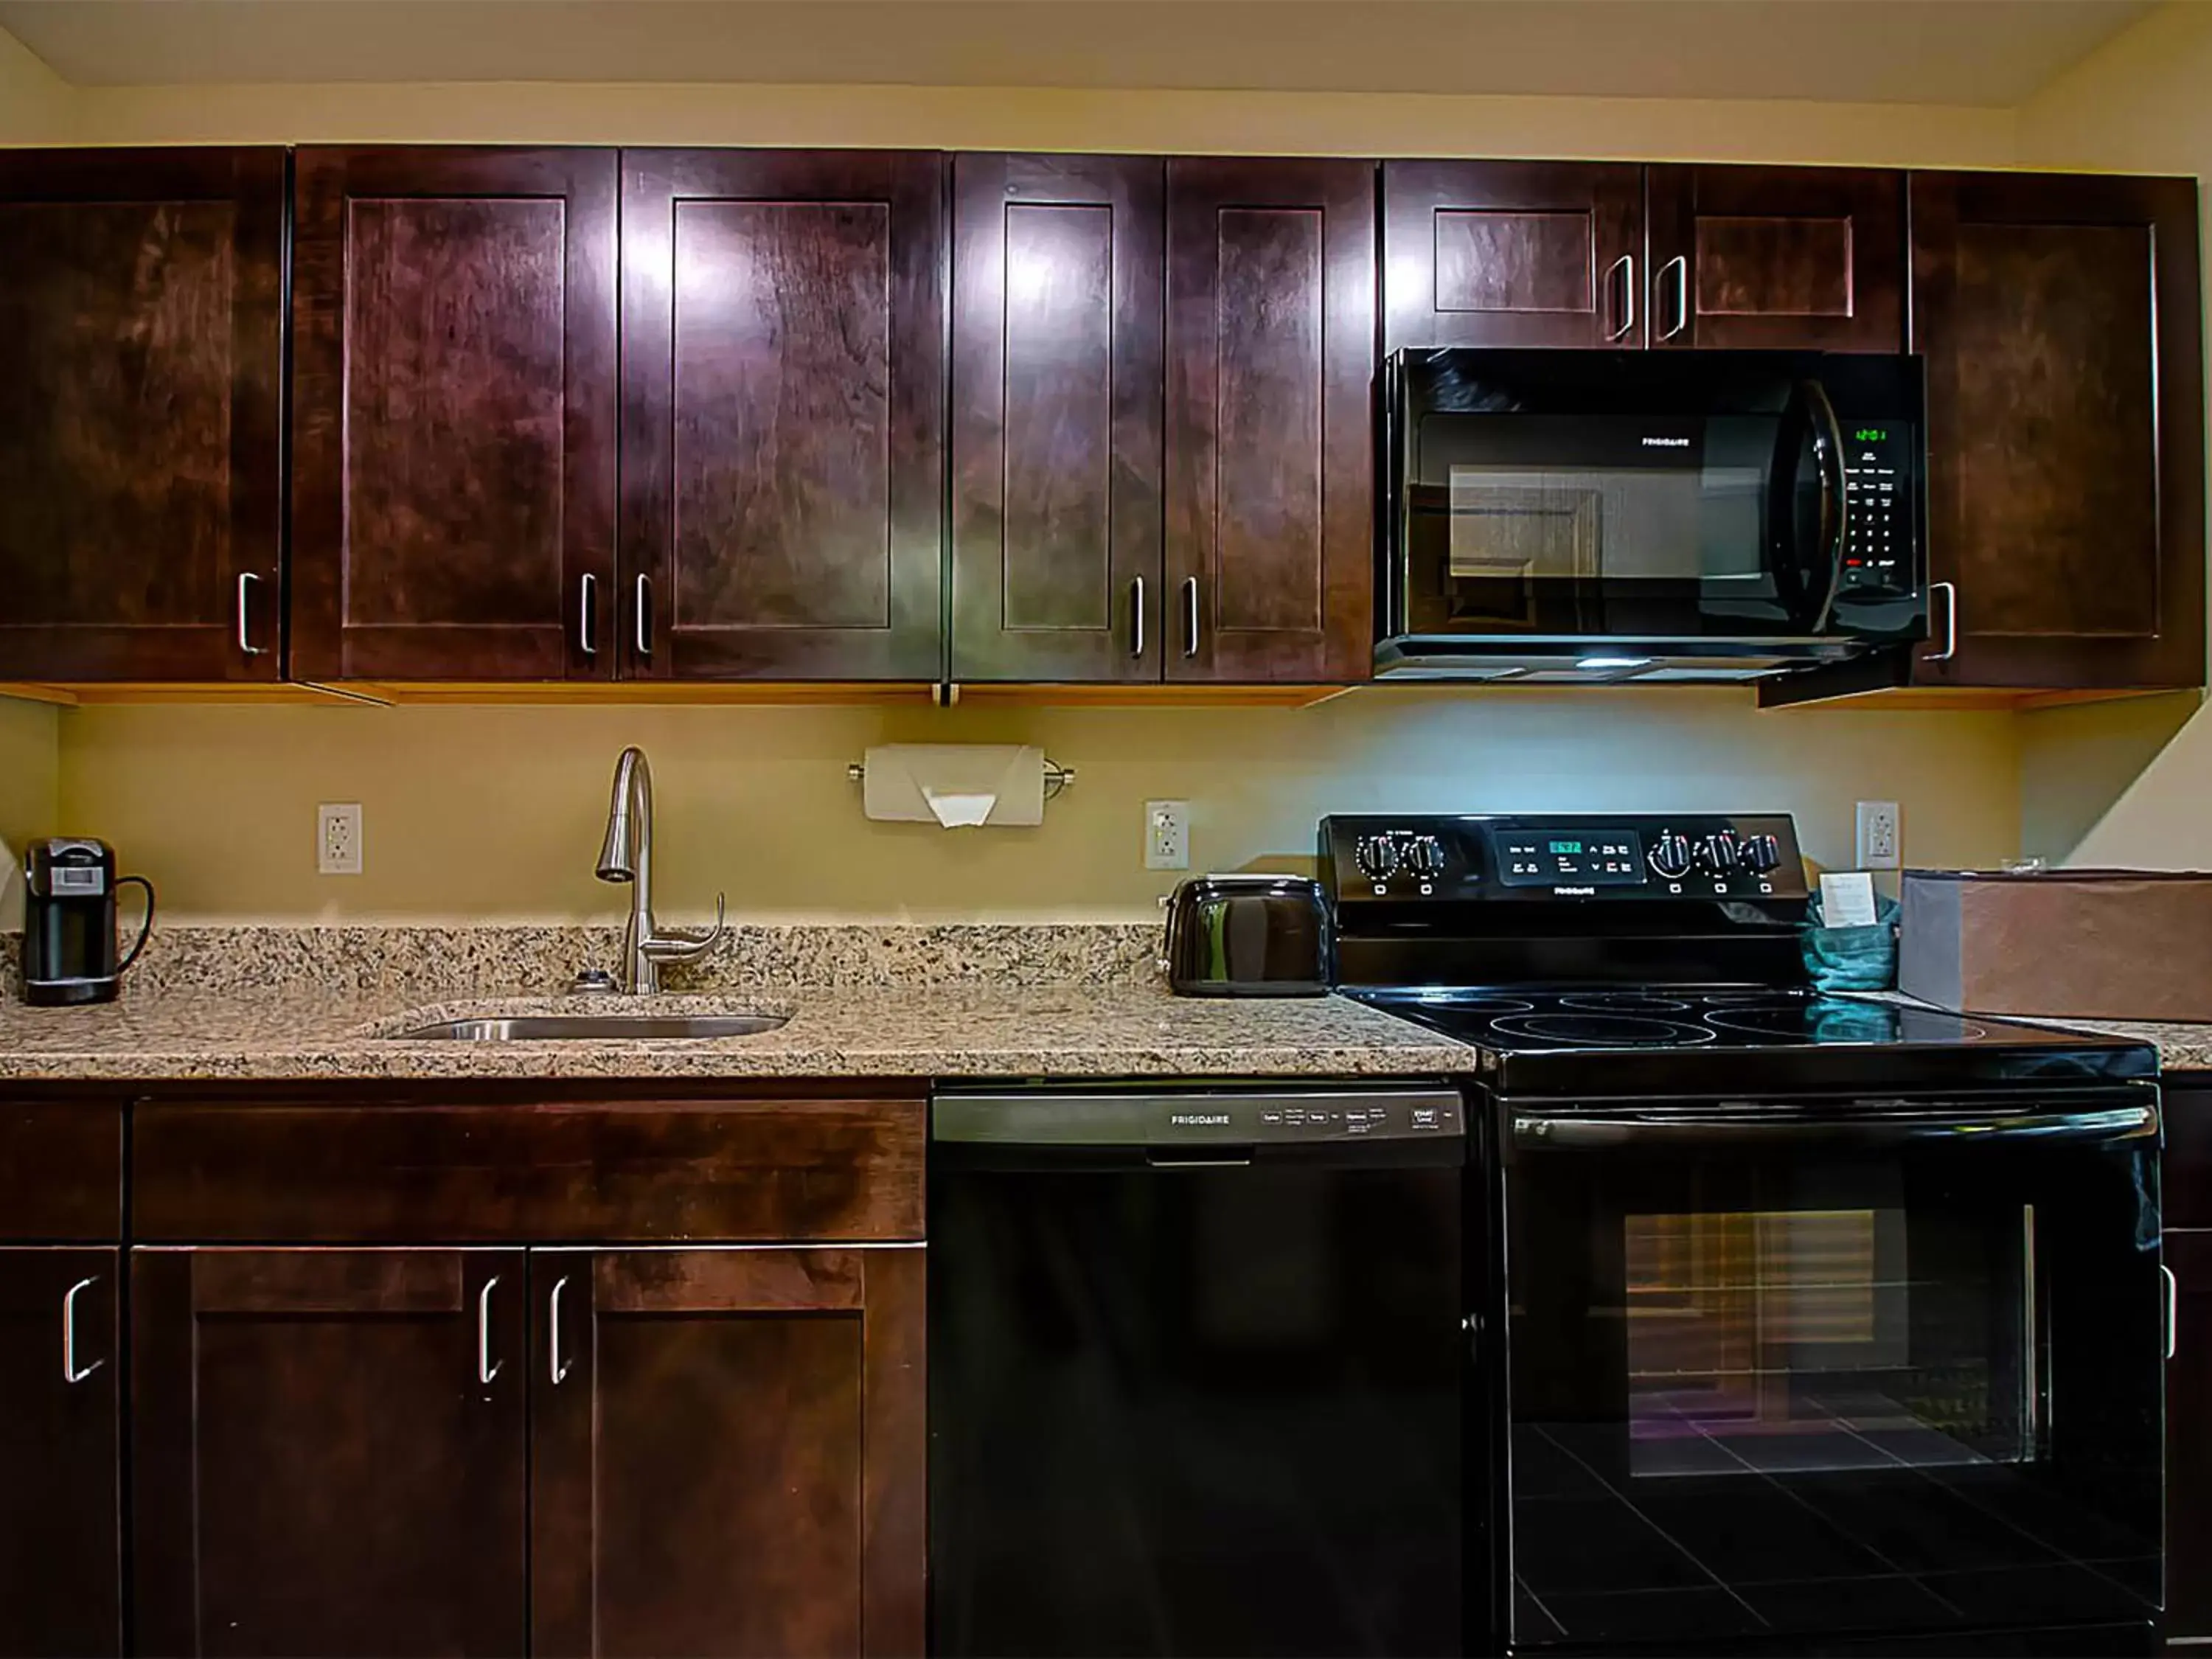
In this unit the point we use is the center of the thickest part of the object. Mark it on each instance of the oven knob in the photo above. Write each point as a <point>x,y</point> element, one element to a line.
<point>1376,857</point>
<point>1717,855</point>
<point>1670,856</point>
<point>1425,856</point>
<point>1761,853</point>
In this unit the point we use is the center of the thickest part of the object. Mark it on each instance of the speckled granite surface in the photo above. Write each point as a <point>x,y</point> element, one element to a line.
<point>941,1030</point>
<point>435,962</point>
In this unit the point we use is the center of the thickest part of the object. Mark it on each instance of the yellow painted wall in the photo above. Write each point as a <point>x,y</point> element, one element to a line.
<point>36,106</point>
<point>497,811</point>
<point>2126,782</point>
<point>30,765</point>
<point>986,117</point>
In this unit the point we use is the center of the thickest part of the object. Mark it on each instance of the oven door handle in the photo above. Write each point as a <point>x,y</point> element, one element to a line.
<point>1584,1132</point>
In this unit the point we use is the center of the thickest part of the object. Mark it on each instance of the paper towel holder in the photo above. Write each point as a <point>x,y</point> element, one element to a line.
<point>1056,776</point>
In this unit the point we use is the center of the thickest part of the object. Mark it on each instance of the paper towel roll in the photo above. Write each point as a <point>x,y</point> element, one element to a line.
<point>958,784</point>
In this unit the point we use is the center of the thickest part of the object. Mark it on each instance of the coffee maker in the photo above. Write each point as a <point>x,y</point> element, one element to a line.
<point>69,922</point>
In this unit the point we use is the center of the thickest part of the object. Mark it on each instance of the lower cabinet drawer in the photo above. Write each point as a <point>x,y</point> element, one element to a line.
<point>61,1170</point>
<point>645,1172</point>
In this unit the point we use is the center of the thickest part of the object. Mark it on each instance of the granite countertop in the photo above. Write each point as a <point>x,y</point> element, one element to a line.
<point>940,1031</point>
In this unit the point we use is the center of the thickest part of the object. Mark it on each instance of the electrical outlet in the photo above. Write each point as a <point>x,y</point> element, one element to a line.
<point>1167,835</point>
<point>1878,835</point>
<point>338,838</point>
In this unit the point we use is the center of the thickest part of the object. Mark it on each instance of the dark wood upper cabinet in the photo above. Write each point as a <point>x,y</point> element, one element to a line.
<point>1513,253</point>
<point>1270,433</point>
<point>728,1452</point>
<point>783,396</point>
<point>2060,318</point>
<point>1778,258</point>
<point>60,1503</point>
<point>1057,290</point>
<point>141,373</point>
<point>329,1451</point>
<point>2189,1436</point>
<point>453,417</point>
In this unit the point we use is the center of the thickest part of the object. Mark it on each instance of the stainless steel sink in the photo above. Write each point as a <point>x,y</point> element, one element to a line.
<point>595,1028</point>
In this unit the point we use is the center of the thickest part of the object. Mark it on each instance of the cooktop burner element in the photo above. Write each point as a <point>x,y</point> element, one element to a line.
<point>1623,1002</point>
<point>1572,1029</point>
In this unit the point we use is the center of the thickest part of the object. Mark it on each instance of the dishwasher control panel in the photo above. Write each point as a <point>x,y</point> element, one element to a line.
<point>1165,1120</point>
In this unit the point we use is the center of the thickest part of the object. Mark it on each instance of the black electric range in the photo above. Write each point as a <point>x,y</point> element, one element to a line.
<point>1799,1323</point>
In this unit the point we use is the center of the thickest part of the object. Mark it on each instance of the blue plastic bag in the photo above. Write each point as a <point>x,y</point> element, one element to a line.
<point>1851,958</point>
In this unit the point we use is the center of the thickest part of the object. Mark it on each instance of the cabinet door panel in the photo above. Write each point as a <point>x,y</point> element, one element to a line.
<point>2189,1439</point>
<point>1780,258</point>
<point>321,1467</point>
<point>1512,253</point>
<point>783,384</point>
<point>60,1503</point>
<point>1271,345</point>
<point>141,351</point>
<point>728,1453</point>
<point>1056,379</point>
<point>454,473</point>
<point>2060,319</point>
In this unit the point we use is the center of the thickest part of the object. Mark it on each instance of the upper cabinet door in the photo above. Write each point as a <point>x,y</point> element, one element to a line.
<point>727,1453</point>
<point>783,388</point>
<point>1056,393</point>
<point>1513,253</point>
<point>141,365</point>
<point>1270,443</point>
<point>2060,318</point>
<point>454,414</point>
<point>1782,258</point>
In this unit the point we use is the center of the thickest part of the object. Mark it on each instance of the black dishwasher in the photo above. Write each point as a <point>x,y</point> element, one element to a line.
<point>1196,1371</point>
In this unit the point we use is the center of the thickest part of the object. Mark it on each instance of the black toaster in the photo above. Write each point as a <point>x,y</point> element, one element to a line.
<point>1248,936</point>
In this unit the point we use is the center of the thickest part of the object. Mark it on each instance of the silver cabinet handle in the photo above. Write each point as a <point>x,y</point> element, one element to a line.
<point>487,1367</point>
<point>643,637</point>
<point>1679,264</point>
<point>586,615</point>
<point>1137,617</point>
<point>1627,263</point>
<point>1950,593</point>
<point>1190,615</point>
<point>245,645</point>
<point>555,1367</point>
<point>71,1374</point>
<point>2172,1309</point>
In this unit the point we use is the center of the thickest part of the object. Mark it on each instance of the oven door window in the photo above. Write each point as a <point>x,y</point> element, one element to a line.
<point>1594,525</point>
<point>1758,1393</point>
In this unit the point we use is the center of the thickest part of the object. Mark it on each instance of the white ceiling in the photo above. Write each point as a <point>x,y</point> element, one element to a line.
<point>1990,52</point>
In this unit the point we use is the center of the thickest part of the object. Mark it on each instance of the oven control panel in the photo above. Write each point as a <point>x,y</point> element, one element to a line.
<point>1448,857</point>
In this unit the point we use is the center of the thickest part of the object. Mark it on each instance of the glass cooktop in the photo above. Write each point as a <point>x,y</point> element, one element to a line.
<point>1515,1018</point>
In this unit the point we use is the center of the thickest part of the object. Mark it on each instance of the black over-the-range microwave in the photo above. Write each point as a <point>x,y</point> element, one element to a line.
<point>1648,515</point>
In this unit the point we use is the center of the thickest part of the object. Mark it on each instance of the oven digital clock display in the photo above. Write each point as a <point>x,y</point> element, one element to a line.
<point>1612,858</point>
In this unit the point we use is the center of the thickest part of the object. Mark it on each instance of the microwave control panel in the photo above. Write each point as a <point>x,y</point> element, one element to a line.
<point>1880,476</point>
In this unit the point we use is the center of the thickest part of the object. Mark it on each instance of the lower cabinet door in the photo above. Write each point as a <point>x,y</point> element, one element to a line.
<point>2189,1439</point>
<point>60,1514</point>
<point>728,1452</point>
<point>329,1451</point>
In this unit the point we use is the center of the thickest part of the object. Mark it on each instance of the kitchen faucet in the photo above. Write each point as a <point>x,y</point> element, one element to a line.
<point>628,856</point>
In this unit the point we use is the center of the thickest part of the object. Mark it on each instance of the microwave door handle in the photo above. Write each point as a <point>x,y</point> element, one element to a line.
<point>1598,1132</point>
<point>1835,496</point>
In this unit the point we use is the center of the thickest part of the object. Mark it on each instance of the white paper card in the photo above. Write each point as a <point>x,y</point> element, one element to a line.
<point>1847,900</point>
